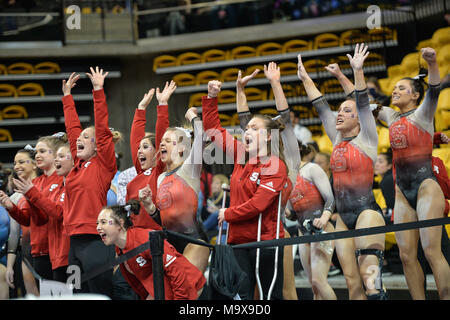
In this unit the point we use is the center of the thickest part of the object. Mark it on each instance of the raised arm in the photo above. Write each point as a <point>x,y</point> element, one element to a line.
<point>428,107</point>
<point>345,82</point>
<point>291,149</point>
<point>319,102</point>
<point>71,120</point>
<point>138,127</point>
<point>192,167</point>
<point>211,122</point>
<point>241,99</point>
<point>366,119</point>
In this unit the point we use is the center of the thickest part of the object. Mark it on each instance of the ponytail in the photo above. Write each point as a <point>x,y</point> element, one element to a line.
<point>125,212</point>
<point>418,83</point>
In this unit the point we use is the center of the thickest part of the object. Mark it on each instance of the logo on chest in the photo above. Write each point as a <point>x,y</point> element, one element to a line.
<point>164,198</point>
<point>141,261</point>
<point>339,161</point>
<point>398,137</point>
<point>53,187</point>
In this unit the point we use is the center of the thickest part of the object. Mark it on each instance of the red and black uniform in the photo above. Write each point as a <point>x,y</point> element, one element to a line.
<point>255,186</point>
<point>182,280</point>
<point>51,208</point>
<point>151,175</point>
<point>86,187</point>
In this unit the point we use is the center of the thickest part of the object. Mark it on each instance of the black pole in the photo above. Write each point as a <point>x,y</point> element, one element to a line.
<point>156,250</point>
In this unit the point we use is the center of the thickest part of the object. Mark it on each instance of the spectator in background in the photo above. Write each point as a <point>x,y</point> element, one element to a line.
<point>301,132</point>
<point>383,168</point>
<point>375,92</point>
<point>323,160</point>
<point>122,181</point>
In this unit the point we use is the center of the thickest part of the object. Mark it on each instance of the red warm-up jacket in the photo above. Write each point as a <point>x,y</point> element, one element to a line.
<point>182,280</point>
<point>29,215</point>
<point>89,181</point>
<point>51,208</point>
<point>149,176</point>
<point>254,187</point>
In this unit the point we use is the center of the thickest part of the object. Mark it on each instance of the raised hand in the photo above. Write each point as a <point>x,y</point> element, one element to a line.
<point>242,82</point>
<point>272,72</point>
<point>191,114</point>
<point>334,69</point>
<point>146,100</point>
<point>360,54</point>
<point>97,77</point>
<point>22,186</point>
<point>428,54</point>
<point>164,96</point>
<point>301,71</point>
<point>214,88</point>
<point>70,83</point>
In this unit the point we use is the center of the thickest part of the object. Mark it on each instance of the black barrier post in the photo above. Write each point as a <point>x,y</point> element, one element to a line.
<point>156,250</point>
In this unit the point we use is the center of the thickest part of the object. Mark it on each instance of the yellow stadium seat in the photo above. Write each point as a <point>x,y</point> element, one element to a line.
<point>445,114</point>
<point>297,45</point>
<point>226,96</point>
<point>441,37</point>
<point>289,90</point>
<point>379,198</point>
<point>326,40</point>
<point>269,48</point>
<point>383,33</point>
<point>205,76</point>
<point>195,100</point>
<point>86,10</point>
<point>343,62</point>
<point>395,71</point>
<point>14,112</point>
<point>225,120</point>
<point>255,94</point>
<point>30,89</point>
<point>234,121</point>
<point>229,74</point>
<point>7,90</point>
<point>269,111</point>
<point>189,58</point>
<point>214,55</point>
<point>390,240</point>
<point>287,68</point>
<point>331,86</point>
<point>314,65</point>
<point>325,144</point>
<point>443,154</point>
<point>302,111</point>
<point>243,52</point>
<point>20,68</point>
<point>117,9</point>
<point>5,135</point>
<point>250,70</point>
<point>425,43</point>
<point>444,100</point>
<point>443,54</point>
<point>164,61</point>
<point>351,37</point>
<point>374,59</point>
<point>410,62</point>
<point>185,79</point>
<point>385,84</point>
<point>383,140</point>
<point>3,69</point>
<point>47,67</point>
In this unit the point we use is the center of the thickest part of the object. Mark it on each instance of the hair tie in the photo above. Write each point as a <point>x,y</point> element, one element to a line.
<point>59,134</point>
<point>373,106</point>
<point>111,129</point>
<point>29,148</point>
<point>128,209</point>
<point>276,118</point>
<point>420,76</point>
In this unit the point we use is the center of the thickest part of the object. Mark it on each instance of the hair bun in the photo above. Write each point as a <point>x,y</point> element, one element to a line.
<point>133,206</point>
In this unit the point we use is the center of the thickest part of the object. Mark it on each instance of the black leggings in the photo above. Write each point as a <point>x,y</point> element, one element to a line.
<point>43,266</point>
<point>247,261</point>
<point>88,252</point>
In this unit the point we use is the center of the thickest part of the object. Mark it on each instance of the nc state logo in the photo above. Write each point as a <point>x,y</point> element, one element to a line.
<point>398,136</point>
<point>164,197</point>
<point>339,162</point>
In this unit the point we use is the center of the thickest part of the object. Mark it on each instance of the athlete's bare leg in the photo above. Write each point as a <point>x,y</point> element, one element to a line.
<point>289,291</point>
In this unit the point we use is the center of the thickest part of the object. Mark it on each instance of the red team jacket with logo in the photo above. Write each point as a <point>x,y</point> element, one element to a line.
<point>251,192</point>
<point>51,208</point>
<point>149,176</point>
<point>182,280</point>
<point>88,182</point>
<point>28,215</point>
